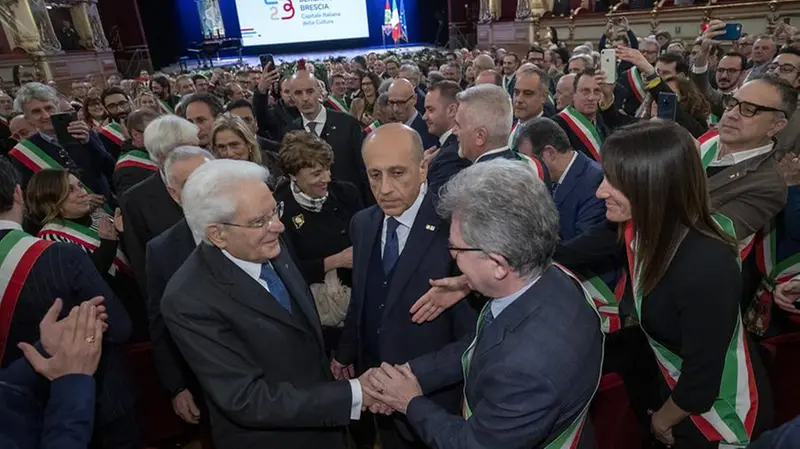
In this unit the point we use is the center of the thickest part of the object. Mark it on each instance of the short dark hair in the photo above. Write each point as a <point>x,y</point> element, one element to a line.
<point>786,92</point>
<point>137,118</point>
<point>109,91</point>
<point>736,54</point>
<point>447,90</point>
<point>664,34</point>
<point>562,53</point>
<point>789,51</point>
<point>536,49</point>
<point>162,80</point>
<point>238,104</point>
<point>9,180</point>
<point>542,132</point>
<point>360,60</point>
<point>198,77</point>
<point>337,75</point>
<point>211,101</point>
<point>681,66</point>
<point>586,72</point>
<point>717,51</point>
<point>513,55</point>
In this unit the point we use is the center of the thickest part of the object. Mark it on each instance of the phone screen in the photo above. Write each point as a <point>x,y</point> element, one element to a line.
<point>667,105</point>
<point>60,124</point>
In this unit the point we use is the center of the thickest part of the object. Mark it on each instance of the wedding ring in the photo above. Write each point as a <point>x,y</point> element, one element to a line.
<point>90,339</point>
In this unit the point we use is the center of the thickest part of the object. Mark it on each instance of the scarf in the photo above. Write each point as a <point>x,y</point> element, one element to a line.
<point>305,201</point>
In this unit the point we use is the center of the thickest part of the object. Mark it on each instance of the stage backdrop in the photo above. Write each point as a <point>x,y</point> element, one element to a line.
<point>356,18</point>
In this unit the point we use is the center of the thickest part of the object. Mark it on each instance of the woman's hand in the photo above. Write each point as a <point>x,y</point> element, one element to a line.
<point>106,229</point>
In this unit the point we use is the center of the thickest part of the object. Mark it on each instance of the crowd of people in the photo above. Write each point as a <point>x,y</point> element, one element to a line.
<point>433,250</point>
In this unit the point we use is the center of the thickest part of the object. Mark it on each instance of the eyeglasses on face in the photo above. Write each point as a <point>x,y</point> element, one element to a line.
<point>747,109</point>
<point>456,250</point>
<point>263,221</point>
<point>786,69</point>
<point>396,103</point>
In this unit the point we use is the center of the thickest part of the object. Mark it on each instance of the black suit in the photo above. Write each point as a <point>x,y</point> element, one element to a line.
<point>420,106</point>
<point>273,121</point>
<point>446,164</point>
<point>419,125</point>
<point>147,211</point>
<point>263,370</point>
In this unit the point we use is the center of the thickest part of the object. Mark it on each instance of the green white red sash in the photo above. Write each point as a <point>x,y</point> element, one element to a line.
<point>637,85</point>
<point>733,414</point>
<point>114,132</point>
<point>18,252</point>
<point>337,105</point>
<point>85,237</point>
<point>605,301</point>
<point>533,163</point>
<point>712,121</point>
<point>136,158</point>
<point>372,127</point>
<point>165,108</point>
<point>584,129</point>
<point>570,437</point>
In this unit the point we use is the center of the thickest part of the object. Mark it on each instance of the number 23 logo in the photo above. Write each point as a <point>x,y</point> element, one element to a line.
<point>288,7</point>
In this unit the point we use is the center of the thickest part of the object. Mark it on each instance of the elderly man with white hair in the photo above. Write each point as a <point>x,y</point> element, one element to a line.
<point>147,208</point>
<point>241,313</point>
<point>84,155</point>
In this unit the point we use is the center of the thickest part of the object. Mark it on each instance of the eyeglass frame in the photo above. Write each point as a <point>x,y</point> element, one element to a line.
<point>773,65</point>
<point>455,250</point>
<point>398,104</point>
<point>729,103</point>
<point>276,217</point>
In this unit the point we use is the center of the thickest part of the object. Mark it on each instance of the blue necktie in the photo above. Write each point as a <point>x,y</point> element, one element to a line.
<point>391,250</point>
<point>554,189</point>
<point>275,286</point>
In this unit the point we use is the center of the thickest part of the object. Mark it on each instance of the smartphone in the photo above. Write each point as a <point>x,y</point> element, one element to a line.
<point>667,105</point>
<point>60,123</point>
<point>267,62</point>
<point>608,64</point>
<point>733,31</point>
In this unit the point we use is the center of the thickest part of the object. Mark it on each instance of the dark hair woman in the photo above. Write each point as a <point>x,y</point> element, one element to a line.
<point>317,214</point>
<point>94,113</point>
<point>364,103</point>
<point>686,285</point>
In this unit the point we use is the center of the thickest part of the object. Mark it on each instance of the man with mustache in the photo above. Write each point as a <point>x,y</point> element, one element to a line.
<point>730,71</point>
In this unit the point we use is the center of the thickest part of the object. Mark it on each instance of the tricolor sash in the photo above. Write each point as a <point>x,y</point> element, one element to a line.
<point>372,127</point>
<point>534,163</point>
<point>114,133</point>
<point>733,414</point>
<point>605,301</point>
<point>18,252</point>
<point>85,237</point>
<point>164,107</point>
<point>637,85</point>
<point>337,105</point>
<point>136,158</point>
<point>584,129</point>
<point>570,437</point>
<point>712,121</point>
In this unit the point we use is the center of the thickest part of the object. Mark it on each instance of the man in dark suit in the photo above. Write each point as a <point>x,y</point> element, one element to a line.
<point>534,362</point>
<point>244,319</point>
<point>274,121</point>
<point>528,98</point>
<point>575,177</point>
<point>342,131</point>
<point>402,99</point>
<point>441,106</point>
<point>511,63</point>
<point>398,246</point>
<point>135,165</point>
<point>147,208</point>
<point>62,270</point>
<point>582,120</point>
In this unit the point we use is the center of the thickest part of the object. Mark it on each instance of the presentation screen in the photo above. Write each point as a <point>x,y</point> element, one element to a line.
<point>269,22</point>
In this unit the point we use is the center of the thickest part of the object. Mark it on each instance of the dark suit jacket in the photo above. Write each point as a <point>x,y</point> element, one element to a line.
<point>420,100</point>
<point>750,193</point>
<point>65,421</point>
<point>147,211</point>
<point>575,141</point>
<point>446,164</point>
<point>534,369</point>
<point>265,375</point>
<point>126,177</point>
<point>273,121</point>
<point>578,207</point>
<point>421,128</point>
<point>165,254</point>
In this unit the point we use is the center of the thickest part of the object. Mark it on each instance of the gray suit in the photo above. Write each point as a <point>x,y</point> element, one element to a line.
<point>264,371</point>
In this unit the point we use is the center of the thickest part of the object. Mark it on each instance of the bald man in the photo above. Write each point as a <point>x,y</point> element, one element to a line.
<point>489,77</point>
<point>565,89</point>
<point>398,245</point>
<point>341,131</point>
<point>402,101</point>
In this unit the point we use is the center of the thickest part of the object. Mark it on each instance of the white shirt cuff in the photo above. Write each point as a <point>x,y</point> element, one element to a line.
<point>358,399</point>
<point>700,69</point>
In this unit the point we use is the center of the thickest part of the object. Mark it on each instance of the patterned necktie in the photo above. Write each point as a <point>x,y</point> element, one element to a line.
<point>275,286</point>
<point>554,189</point>
<point>312,128</point>
<point>391,249</point>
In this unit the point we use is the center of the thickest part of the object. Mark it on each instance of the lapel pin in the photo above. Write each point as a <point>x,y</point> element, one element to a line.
<point>298,221</point>
<point>430,227</point>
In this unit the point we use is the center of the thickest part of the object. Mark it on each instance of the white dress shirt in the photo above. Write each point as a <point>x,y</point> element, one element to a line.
<point>413,117</point>
<point>498,305</point>
<point>406,220</point>
<point>319,120</point>
<point>443,138</point>
<point>9,225</point>
<point>572,161</point>
<point>741,156</point>
<point>495,151</point>
<point>253,270</point>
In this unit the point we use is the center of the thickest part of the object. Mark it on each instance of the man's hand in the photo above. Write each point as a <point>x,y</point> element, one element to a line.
<point>787,294</point>
<point>79,130</point>
<point>636,58</point>
<point>443,294</point>
<point>429,155</point>
<point>789,167</point>
<point>268,79</point>
<point>51,330</point>
<point>661,430</point>
<point>184,406</point>
<point>342,372</point>
<point>395,386</point>
<point>370,402</point>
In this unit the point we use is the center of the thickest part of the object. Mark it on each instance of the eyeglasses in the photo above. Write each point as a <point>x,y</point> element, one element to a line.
<point>119,105</point>
<point>263,221</point>
<point>746,108</point>
<point>732,71</point>
<point>396,103</point>
<point>783,68</point>
<point>455,250</point>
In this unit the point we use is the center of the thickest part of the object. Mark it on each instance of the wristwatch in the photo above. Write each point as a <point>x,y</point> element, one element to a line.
<point>651,77</point>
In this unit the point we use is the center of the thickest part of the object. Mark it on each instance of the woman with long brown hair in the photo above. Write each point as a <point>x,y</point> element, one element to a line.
<point>363,105</point>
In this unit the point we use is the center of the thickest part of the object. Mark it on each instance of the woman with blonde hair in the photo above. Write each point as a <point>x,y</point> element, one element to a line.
<point>231,138</point>
<point>146,99</point>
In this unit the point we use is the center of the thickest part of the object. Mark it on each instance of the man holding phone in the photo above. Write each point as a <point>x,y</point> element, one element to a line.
<point>61,142</point>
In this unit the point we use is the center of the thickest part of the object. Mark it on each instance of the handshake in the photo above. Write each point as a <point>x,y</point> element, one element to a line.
<point>385,389</point>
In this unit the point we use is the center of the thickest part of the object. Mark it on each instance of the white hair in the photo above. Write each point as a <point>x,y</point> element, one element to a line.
<point>413,72</point>
<point>209,195</point>
<point>582,50</point>
<point>588,61</point>
<point>183,153</point>
<point>166,133</point>
<point>489,106</point>
<point>34,91</point>
<point>482,63</point>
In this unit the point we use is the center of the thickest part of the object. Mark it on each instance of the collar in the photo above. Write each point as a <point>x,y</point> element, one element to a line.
<point>500,304</point>
<point>407,218</point>
<point>413,117</point>
<point>572,161</point>
<point>741,156</point>
<point>320,119</point>
<point>495,151</point>
<point>9,225</point>
<point>253,269</point>
<point>49,139</point>
<point>443,138</point>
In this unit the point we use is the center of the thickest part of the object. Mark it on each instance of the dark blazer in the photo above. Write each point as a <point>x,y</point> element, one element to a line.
<point>345,136</point>
<point>420,101</point>
<point>273,121</point>
<point>575,141</point>
<point>165,254</point>
<point>264,371</point>
<point>534,369</point>
<point>126,177</point>
<point>421,128</point>
<point>446,164</point>
<point>578,207</point>
<point>147,211</point>
<point>624,96</point>
<point>65,421</point>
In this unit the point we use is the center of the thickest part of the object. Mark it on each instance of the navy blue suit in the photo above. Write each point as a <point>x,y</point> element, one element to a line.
<point>578,207</point>
<point>420,100</point>
<point>421,128</point>
<point>64,422</point>
<point>533,370</point>
<point>446,164</point>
